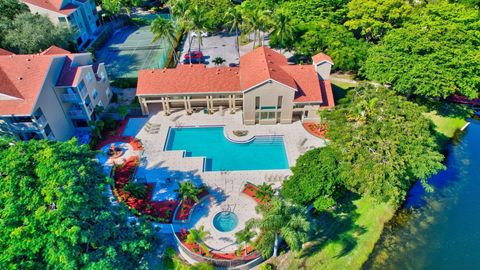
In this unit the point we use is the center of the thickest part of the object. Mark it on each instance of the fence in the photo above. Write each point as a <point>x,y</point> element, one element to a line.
<point>242,263</point>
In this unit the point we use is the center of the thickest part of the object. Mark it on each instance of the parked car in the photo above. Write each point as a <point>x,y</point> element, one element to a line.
<point>196,56</point>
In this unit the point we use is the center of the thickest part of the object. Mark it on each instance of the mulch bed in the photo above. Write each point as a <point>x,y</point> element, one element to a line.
<point>251,191</point>
<point>315,129</point>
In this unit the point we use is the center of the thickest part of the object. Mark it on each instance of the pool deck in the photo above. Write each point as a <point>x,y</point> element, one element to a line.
<point>164,167</point>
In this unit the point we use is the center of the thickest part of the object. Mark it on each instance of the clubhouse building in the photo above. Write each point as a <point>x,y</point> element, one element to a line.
<point>265,87</point>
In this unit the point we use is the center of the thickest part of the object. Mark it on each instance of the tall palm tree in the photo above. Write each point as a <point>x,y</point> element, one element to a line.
<point>284,221</point>
<point>197,236</point>
<point>282,26</point>
<point>188,191</point>
<point>164,28</point>
<point>233,15</point>
<point>197,21</point>
<point>245,236</point>
<point>252,23</point>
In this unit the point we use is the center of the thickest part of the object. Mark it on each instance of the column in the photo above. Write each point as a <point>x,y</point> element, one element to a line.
<point>144,106</point>
<point>189,103</point>
<point>185,104</point>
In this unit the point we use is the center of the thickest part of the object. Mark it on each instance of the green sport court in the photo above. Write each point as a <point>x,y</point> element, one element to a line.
<point>131,49</point>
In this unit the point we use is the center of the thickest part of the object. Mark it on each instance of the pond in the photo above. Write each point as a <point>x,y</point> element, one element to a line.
<point>439,230</point>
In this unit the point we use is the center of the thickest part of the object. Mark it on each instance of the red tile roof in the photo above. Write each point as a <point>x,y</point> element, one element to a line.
<point>321,57</point>
<point>188,79</point>
<point>53,5</point>
<point>5,52</point>
<point>21,79</point>
<point>69,75</point>
<point>258,66</point>
<point>52,50</point>
<point>263,64</point>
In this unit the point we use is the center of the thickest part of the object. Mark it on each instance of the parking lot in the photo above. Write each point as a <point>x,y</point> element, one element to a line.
<point>219,45</point>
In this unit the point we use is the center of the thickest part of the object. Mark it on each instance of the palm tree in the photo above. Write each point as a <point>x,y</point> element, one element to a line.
<point>265,192</point>
<point>218,61</point>
<point>284,221</point>
<point>164,28</point>
<point>282,26</point>
<point>252,23</point>
<point>245,236</point>
<point>197,20</point>
<point>197,236</point>
<point>235,20</point>
<point>188,191</point>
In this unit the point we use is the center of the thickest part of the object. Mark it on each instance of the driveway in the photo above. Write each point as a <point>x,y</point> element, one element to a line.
<point>221,45</point>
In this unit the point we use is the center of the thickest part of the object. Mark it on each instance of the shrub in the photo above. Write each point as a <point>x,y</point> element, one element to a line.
<point>136,190</point>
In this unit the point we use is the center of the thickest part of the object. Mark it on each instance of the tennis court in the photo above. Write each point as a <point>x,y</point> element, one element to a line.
<point>131,49</point>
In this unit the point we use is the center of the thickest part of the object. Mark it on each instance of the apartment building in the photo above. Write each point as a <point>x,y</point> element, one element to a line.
<point>51,95</point>
<point>79,15</point>
<point>265,87</point>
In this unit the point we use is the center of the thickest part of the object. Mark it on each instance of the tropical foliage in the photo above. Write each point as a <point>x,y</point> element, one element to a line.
<point>23,32</point>
<point>280,220</point>
<point>384,143</point>
<point>55,215</point>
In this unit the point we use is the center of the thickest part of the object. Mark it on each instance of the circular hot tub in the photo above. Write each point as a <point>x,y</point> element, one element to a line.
<point>225,221</point>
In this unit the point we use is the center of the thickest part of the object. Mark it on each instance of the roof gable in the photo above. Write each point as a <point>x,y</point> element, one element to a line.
<point>320,58</point>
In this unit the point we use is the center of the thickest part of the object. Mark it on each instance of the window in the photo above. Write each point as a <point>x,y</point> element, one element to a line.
<point>80,123</point>
<point>89,77</point>
<point>47,130</point>
<point>109,92</point>
<point>95,94</point>
<point>279,103</point>
<point>100,104</point>
<point>62,19</point>
<point>257,103</point>
<point>102,76</point>
<point>267,115</point>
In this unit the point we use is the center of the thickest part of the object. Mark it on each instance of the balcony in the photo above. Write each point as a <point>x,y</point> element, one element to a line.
<point>76,113</point>
<point>90,108</point>
<point>24,126</point>
<point>42,121</point>
<point>70,98</point>
<point>83,92</point>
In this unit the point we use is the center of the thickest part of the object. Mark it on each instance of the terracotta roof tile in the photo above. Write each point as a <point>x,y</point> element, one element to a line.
<point>5,52</point>
<point>321,57</point>
<point>53,5</point>
<point>263,64</point>
<point>52,50</point>
<point>188,79</point>
<point>308,83</point>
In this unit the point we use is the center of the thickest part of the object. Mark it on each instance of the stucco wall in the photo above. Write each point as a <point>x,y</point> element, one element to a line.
<point>268,93</point>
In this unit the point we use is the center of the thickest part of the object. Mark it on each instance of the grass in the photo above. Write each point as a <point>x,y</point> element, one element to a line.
<point>345,237</point>
<point>446,125</point>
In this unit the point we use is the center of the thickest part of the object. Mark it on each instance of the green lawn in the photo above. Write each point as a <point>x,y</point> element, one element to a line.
<point>346,237</point>
<point>446,125</point>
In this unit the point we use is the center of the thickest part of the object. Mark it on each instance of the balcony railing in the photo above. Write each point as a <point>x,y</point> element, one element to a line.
<point>70,98</point>
<point>76,113</point>
<point>24,126</point>
<point>83,92</point>
<point>42,121</point>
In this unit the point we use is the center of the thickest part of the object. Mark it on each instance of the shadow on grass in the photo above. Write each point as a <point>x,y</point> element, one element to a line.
<point>339,93</point>
<point>336,226</point>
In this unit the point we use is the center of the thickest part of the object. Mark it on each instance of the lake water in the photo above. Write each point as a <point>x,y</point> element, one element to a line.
<point>439,230</point>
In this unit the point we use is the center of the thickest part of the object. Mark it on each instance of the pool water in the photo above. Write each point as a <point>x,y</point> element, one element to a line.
<point>225,221</point>
<point>263,153</point>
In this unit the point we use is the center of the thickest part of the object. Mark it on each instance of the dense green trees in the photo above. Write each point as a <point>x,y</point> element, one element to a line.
<point>23,32</point>
<point>54,214</point>
<point>373,18</point>
<point>315,179</point>
<point>384,143</point>
<point>435,54</point>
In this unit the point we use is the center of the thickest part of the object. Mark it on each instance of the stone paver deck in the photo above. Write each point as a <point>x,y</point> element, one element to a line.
<point>168,168</point>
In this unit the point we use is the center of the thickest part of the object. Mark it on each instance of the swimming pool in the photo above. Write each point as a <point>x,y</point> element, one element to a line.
<point>262,153</point>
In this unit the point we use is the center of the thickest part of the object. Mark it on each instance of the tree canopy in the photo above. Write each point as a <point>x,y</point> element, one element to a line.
<point>315,179</point>
<point>54,214</point>
<point>384,143</point>
<point>435,53</point>
<point>31,33</point>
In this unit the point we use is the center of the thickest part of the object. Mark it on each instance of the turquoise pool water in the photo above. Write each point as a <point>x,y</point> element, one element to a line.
<point>263,153</point>
<point>225,221</point>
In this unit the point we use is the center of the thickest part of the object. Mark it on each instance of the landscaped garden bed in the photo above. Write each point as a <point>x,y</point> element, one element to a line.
<point>187,206</point>
<point>316,129</point>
